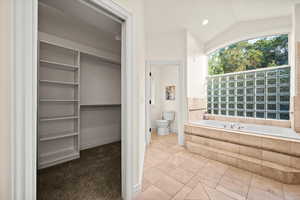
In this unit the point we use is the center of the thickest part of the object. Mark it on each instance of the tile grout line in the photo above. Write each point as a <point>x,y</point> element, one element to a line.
<point>222,177</point>
<point>171,178</point>
<point>196,174</point>
<point>183,184</point>
<point>206,192</point>
<point>252,177</point>
<point>282,188</point>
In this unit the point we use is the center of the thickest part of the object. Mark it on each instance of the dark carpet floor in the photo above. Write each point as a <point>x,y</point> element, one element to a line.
<point>95,176</point>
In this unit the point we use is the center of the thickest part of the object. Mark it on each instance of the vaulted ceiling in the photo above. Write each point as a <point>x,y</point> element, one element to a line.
<point>164,16</point>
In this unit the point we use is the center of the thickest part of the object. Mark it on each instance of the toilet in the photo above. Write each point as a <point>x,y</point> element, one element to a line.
<point>163,126</point>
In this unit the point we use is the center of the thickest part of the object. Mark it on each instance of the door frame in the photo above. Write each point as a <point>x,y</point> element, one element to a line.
<point>181,94</point>
<point>24,42</point>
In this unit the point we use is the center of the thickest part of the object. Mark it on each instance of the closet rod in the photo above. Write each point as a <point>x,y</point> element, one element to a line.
<point>59,82</point>
<point>100,105</point>
<point>58,118</point>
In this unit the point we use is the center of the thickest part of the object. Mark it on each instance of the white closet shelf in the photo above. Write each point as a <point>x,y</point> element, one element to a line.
<point>58,136</point>
<point>100,105</point>
<point>58,100</point>
<point>59,82</point>
<point>58,65</point>
<point>44,119</point>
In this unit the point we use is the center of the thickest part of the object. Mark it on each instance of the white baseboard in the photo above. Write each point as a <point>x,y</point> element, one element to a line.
<point>136,190</point>
<point>96,143</point>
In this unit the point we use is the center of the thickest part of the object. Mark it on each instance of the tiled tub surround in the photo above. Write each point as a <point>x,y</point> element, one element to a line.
<point>196,108</point>
<point>196,114</point>
<point>296,99</point>
<point>273,157</point>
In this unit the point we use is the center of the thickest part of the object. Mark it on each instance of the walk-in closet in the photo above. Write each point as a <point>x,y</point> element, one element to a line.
<point>79,102</point>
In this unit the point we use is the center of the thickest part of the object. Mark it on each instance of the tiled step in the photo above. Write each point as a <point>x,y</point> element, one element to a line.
<point>249,151</point>
<point>268,143</point>
<point>272,170</point>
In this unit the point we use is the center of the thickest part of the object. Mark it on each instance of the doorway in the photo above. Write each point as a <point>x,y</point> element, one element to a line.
<point>25,158</point>
<point>79,102</point>
<point>165,99</point>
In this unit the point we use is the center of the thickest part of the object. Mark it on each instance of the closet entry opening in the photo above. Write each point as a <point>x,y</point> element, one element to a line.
<point>79,102</point>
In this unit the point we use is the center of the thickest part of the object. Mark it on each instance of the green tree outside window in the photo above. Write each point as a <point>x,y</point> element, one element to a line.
<point>248,55</point>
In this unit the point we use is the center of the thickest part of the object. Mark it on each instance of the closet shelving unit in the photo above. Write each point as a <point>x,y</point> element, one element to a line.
<point>61,63</point>
<point>59,104</point>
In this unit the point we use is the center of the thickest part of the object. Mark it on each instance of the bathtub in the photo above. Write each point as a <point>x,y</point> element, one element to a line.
<point>250,128</point>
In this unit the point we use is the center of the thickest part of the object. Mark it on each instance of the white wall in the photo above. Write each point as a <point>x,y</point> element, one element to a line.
<point>96,75</point>
<point>250,29</point>
<point>166,46</point>
<point>295,37</point>
<point>5,36</point>
<point>296,21</point>
<point>163,76</point>
<point>196,68</point>
<point>155,96</point>
<point>99,125</point>
<point>182,46</point>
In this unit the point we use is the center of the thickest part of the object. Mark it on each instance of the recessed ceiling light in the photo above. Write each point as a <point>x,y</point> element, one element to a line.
<point>205,22</point>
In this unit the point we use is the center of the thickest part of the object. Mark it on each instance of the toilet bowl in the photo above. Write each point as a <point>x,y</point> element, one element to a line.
<point>163,126</point>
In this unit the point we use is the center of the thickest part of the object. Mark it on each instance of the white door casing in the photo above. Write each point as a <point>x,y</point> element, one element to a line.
<point>181,93</point>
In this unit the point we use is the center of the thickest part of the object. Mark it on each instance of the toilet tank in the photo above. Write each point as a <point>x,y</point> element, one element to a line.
<point>169,115</point>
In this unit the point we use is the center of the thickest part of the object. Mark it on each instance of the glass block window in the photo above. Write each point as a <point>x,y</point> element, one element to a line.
<point>263,93</point>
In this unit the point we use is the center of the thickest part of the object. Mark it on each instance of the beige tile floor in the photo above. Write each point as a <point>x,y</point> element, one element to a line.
<point>172,173</point>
